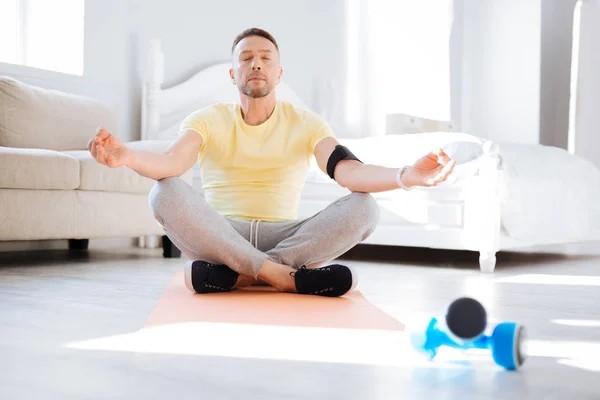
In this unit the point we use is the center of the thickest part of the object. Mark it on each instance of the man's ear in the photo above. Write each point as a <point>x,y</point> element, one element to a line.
<point>280,73</point>
<point>231,75</point>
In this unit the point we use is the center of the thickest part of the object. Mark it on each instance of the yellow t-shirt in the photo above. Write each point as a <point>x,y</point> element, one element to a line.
<point>256,172</point>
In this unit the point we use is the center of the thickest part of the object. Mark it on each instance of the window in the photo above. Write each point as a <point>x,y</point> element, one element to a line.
<point>43,34</point>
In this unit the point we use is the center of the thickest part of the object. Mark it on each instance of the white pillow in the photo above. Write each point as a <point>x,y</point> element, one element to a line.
<point>463,152</point>
<point>468,156</point>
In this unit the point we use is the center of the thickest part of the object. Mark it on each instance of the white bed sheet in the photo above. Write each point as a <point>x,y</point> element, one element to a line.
<point>550,193</point>
<point>546,192</point>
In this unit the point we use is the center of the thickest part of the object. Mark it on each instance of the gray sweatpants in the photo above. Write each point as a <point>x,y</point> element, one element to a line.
<point>201,233</point>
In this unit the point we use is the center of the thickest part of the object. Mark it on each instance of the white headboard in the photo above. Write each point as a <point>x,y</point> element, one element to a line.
<point>164,109</point>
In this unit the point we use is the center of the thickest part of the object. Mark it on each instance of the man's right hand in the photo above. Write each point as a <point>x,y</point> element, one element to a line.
<point>178,158</point>
<point>109,150</point>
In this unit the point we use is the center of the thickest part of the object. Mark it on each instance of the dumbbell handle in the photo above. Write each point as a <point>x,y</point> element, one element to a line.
<point>436,337</point>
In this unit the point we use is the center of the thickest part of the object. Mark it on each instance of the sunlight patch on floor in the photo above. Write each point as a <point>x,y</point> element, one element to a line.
<point>330,345</point>
<point>325,345</point>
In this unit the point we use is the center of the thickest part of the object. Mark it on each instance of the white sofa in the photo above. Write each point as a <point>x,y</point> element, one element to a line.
<point>51,187</point>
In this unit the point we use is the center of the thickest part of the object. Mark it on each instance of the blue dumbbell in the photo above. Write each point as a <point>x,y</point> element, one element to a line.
<point>463,328</point>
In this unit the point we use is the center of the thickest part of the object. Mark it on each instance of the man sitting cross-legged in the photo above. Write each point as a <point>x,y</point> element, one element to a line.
<point>254,156</point>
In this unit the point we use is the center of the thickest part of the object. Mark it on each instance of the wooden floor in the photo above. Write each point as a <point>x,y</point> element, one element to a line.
<point>52,301</point>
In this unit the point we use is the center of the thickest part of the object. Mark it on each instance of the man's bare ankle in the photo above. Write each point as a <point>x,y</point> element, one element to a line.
<point>244,281</point>
<point>278,276</point>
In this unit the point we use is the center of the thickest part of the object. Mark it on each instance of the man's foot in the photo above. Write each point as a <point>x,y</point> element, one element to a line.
<point>332,281</point>
<point>204,277</point>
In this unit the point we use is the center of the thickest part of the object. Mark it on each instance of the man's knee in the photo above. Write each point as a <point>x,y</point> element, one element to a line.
<point>161,195</point>
<point>365,210</point>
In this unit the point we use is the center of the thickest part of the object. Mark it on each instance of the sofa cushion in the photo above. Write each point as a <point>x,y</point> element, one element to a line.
<point>33,117</point>
<point>37,169</point>
<point>95,176</point>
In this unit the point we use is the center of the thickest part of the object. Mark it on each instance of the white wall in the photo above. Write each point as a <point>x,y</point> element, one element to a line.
<point>500,88</point>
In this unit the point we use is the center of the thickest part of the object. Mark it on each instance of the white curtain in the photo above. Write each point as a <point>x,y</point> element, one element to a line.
<point>398,55</point>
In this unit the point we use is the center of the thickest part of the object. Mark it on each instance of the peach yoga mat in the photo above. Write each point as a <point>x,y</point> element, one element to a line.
<point>265,306</point>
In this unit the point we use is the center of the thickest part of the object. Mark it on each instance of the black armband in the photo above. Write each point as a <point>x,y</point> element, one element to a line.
<point>338,154</point>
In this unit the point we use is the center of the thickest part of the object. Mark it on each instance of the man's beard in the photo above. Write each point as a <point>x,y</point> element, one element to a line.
<point>256,93</point>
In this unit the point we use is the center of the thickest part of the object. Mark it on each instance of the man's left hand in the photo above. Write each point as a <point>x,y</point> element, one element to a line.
<point>429,170</point>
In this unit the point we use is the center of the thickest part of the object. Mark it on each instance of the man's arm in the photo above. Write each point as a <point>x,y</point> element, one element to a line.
<point>430,170</point>
<point>178,158</point>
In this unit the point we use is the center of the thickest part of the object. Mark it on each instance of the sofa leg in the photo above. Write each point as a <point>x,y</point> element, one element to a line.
<point>78,244</point>
<point>169,249</point>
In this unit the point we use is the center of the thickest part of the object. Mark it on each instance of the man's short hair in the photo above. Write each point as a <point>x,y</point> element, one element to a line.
<point>254,32</point>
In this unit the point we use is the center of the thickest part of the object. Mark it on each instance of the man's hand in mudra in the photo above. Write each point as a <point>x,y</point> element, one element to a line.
<point>429,170</point>
<point>108,150</point>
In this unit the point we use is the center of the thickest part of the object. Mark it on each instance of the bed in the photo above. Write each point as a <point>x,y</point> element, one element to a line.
<point>501,196</point>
